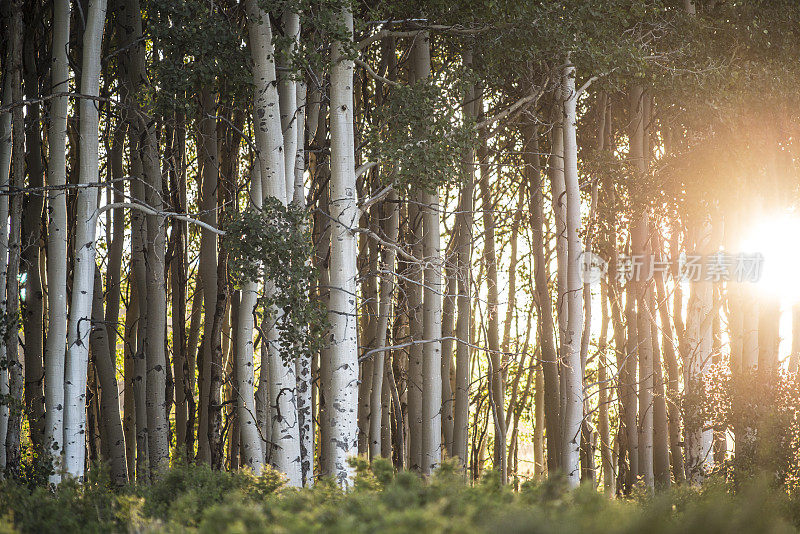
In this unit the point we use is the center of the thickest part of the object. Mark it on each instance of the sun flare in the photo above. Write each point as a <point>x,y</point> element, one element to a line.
<point>773,237</point>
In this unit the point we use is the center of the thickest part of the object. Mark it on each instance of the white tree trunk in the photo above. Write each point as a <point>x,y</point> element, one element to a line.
<point>644,347</point>
<point>432,300</point>
<point>699,335</point>
<point>384,311</point>
<point>251,452</point>
<point>287,91</point>
<point>342,391</point>
<point>79,324</point>
<point>572,349</point>
<point>303,362</point>
<point>5,173</point>
<point>285,436</point>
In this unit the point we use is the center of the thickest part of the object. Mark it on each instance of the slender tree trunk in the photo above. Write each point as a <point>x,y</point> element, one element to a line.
<point>603,400</point>
<point>183,372</point>
<point>129,380</point>
<point>5,169</point>
<point>303,362</point>
<point>414,296</point>
<point>31,237</point>
<point>138,243</point>
<point>79,324</point>
<point>572,342</point>
<point>630,385</point>
<point>270,142</point>
<point>368,265</point>
<point>251,451</point>
<point>699,341</point>
<point>104,362</point>
<point>546,330</point>
<point>208,155</point>
<point>463,251</point>
<point>661,441</point>
<point>12,361</point>
<point>287,93</point>
<point>432,298</point>
<point>496,384</point>
<point>673,381</point>
<point>343,388</point>
<point>388,255</point>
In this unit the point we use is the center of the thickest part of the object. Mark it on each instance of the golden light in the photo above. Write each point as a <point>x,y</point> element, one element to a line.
<point>775,238</point>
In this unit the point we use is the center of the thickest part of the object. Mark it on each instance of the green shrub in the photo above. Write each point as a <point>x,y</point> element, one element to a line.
<point>191,498</point>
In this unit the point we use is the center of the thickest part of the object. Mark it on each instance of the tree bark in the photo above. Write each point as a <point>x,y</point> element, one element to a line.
<point>546,329</point>
<point>113,439</point>
<point>79,324</point>
<point>5,170</point>
<point>12,361</point>
<point>463,251</point>
<point>33,325</point>
<point>271,157</point>
<point>387,286</point>
<point>343,387</point>
<point>251,451</point>
<point>573,332</point>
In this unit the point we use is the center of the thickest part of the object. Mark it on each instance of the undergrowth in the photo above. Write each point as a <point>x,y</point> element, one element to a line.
<point>191,498</point>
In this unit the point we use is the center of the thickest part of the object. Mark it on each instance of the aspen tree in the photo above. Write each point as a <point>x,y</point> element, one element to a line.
<point>5,172</point>
<point>78,328</point>
<point>251,450</point>
<point>573,331</point>
<point>464,222</point>
<point>546,331</point>
<point>12,360</point>
<point>32,309</point>
<point>342,390</point>
<point>285,453</point>
<point>431,454</point>
<point>113,439</point>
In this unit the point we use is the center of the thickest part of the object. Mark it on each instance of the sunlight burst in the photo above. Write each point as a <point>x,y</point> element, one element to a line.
<point>773,238</point>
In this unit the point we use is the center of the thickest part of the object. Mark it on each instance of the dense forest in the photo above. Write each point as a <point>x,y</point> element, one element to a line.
<point>410,257</point>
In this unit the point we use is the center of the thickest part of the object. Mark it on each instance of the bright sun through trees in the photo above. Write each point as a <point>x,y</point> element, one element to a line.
<point>772,236</point>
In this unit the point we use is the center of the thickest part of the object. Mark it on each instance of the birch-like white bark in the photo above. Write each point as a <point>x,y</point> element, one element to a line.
<point>699,336</point>
<point>79,324</point>
<point>432,299</point>
<point>5,173</point>
<point>303,361</point>
<point>251,452</point>
<point>342,391</point>
<point>284,454</point>
<point>287,92</point>
<point>572,355</point>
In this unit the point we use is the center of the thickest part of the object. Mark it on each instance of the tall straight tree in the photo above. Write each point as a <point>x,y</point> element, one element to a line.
<point>5,171</point>
<point>250,448</point>
<point>12,361</point>
<point>546,329</point>
<point>78,328</point>
<point>573,381</point>
<point>432,298</point>
<point>342,391</point>
<point>464,220</point>
<point>285,453</point>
